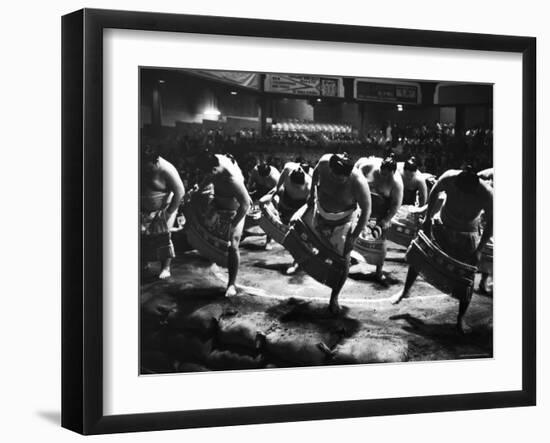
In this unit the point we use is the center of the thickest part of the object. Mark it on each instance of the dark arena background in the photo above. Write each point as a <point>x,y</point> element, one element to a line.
<point>278,320</point>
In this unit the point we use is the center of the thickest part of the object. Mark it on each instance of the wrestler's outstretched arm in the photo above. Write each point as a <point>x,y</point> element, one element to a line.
<point>242,197</point>
<point>276,174</point>
<point>251,184</point>
<point>488,208</point>
<point>361,193</point>
<point>282,178</point>
<point>422,191</point>
<point>439,187</point>
<point>314,183</point>
<point>175,185</point>
<point>396,196</point>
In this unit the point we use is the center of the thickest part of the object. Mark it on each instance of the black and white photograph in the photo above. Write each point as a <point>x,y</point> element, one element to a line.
<point>294,220</point>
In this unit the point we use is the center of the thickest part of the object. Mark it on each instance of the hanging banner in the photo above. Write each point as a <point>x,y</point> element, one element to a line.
<point>376,90</point>
<point>244,79</point>
<point>304,85</point>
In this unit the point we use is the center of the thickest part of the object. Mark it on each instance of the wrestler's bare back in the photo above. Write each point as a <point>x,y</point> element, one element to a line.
<point>334,195</point>
<point>268,182</point>
<point>412,184</point>
<point>370,168</point>
<point>160,177</point>
<point>461,211</point>
<point>293,190</point>
<point>228,181</point>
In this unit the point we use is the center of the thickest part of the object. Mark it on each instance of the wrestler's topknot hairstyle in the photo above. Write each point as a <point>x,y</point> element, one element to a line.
<point>341,164</point>
<point>264,169</point>
<point>467,181</point>
<point>149,153</point>
<point>389,163</point>
<point>206,161</point>
<point>411,164</point>
<point>298,176</point>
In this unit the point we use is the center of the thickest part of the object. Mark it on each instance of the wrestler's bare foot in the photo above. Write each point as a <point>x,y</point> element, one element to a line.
<point>397,297</point>
<point>231,291</point>
<point>165,273</point>
<point>334,307</point>
<point>463,328</point>
<point>291,270</point>
<point>485,288</point>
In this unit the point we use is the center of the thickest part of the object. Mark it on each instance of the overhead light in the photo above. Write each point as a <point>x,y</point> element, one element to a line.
<point>399,108</point>
<point>211,112</point>
<point>319,100</point>
<point>233,92</point>
<point>162,81</point>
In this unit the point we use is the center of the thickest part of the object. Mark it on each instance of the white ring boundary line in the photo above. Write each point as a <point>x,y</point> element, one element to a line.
<point>261,293</point>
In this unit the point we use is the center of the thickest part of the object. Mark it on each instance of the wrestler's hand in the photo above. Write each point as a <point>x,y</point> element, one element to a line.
<point>269,196</point>
<point>170,216</point>
<point>384,223</point>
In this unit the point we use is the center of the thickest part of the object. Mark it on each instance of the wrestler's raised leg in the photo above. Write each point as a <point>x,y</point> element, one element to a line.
<point>233,261</point>
<point>268,245</point>
<point>333,306</point>
<point>464,297</point>
<point>165,269</point>
<point>379,275</point>
<point>411,277</point>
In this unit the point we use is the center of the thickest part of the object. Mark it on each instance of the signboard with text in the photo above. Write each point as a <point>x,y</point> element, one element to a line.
<point>389,92</point>
<point>308,85</point>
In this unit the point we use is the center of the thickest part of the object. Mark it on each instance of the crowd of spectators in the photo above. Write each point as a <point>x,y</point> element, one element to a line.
<point>437,147</point>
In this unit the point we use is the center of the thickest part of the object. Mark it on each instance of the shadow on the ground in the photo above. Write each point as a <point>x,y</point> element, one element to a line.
<point>148,276</point>
<point>254,246</point>
<point>480,336</point>
<point>387,280</point>
<point>199,295</point>
<point>317,315</point>
<point>279,267</point>
<point>165,299</point>
<point>396,259</point>
<point>297,278</point>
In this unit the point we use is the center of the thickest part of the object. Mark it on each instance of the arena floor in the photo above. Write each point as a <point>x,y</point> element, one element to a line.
<point>277,320</point>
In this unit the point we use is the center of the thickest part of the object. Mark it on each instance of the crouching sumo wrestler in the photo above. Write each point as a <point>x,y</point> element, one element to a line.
<point>449,247</point>
<point>283,201</point>
<point>386,188</point>
<point>161,191</point>
<point>323,232</point>
<point>215,214</point>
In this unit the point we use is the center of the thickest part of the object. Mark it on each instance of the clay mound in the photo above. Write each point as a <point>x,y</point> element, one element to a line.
<point>201,320</point>
<point>304,349</point>
<point>224,359</point>
<point>241,330</point>
<point>364,349</point>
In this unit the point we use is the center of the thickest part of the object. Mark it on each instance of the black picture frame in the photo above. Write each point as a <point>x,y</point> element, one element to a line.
<point>82,218</point>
